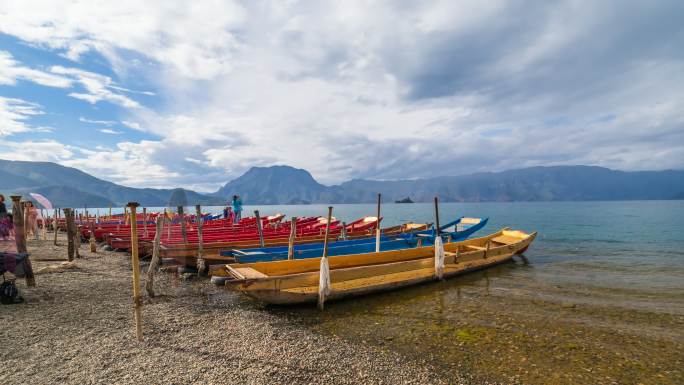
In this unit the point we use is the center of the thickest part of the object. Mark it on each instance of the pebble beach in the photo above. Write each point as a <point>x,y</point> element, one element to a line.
<point>76,327</point>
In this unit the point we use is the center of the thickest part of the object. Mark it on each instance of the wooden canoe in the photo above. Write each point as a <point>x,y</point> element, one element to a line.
<point>296,281</point>
<point>187,254</point>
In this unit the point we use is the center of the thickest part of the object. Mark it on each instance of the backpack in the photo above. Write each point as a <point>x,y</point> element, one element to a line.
<point>9,294</point>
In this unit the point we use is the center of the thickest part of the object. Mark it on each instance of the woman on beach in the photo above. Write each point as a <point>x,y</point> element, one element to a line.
<point>237,207</point>
<point>32,219</point>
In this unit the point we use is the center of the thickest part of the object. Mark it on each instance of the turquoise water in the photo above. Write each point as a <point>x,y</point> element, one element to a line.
<point>635,246</point>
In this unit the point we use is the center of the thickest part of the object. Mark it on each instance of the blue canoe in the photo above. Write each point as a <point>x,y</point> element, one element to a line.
<point>363,245</point>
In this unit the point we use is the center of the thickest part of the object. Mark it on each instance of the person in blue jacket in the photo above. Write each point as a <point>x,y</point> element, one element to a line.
<point>237,207</point>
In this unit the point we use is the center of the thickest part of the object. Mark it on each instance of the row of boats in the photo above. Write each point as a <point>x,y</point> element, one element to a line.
<point>305,259</point>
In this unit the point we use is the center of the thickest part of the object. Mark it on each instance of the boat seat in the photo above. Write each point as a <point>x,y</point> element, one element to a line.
<point>506,239</point>
<point>240,252</point>
<point>249,273</point>
<point>476,247</point>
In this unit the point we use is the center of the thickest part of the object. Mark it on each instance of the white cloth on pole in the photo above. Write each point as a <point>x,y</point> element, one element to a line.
<point>323,282</point>
<point>377,241</point>
<point>439,257</point>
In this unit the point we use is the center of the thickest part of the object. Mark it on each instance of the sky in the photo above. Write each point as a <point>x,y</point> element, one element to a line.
<point>193,94</point>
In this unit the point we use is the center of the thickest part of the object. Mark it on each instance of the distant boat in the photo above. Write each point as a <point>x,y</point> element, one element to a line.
<point>405,200</point>
<point>296,281</point>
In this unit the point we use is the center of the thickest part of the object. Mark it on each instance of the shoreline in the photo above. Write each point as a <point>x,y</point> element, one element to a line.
<point>494,326</point>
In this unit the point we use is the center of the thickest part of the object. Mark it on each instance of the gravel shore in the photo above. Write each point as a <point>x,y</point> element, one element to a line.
<point>76,328</point>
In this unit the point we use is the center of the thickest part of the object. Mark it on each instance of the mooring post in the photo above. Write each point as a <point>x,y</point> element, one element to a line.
<point>69,219</point>
<point>154,263</point>
<point>184,230</point>
<point>145,221</point>
<point>200,246</point>
<point>259,229</point>
<point>377,228</point>
<point>20,237</point>
<point>77,239</point>
<point>437,216</point>
<point>324,269</point>
<point>135,265</point>
<point>93,246</point>
<point>291,242</point>
<point>55,225</point>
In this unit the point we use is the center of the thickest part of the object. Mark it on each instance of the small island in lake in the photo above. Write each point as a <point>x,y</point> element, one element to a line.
<point>405,200</point>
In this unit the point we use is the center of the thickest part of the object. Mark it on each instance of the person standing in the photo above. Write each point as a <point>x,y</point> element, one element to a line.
<point>5,219</point>
<point>32,216</point>
<point>237,207</point>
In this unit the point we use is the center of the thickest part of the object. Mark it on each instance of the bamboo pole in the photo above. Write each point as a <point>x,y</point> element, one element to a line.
<point>20,237</point>
<point>135,264</point>
<point>291,241</point>
<point>200,246</point>
<point>154,263</point>
<point>437,216</point>
<point>77,240</point>
<point>93,246</point>
<point>184,230</point>
<point>324,262</point>
<point>145,220</point>
<point>69,219</point>
<point>343,232</point>
<point>377,228</point>
<point>259,229</point>
<point>55,227</point>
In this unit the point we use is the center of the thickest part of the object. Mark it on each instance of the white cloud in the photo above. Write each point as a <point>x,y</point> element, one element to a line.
<point>40,151</point>
<point>98,87</point>
<point>92,121</point>
<point>111,132</point>
<point>11,71</point>
<point>14,114</point>
<point>196,38</point>
<point>133,125</point>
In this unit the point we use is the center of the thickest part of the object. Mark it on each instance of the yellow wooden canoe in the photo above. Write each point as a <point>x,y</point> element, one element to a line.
<point>296,281</point>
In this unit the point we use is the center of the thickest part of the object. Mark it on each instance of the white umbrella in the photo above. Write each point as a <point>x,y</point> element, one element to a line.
<point>42,200</point>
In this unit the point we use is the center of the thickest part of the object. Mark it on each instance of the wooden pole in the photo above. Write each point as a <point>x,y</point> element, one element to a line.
<point>20,237</point>
<point>259,229</point>
<point>145,220</point>
<point>327,232</point>
<point>110,212</point>
<point>154,263</point>
<point>321,292</point>
<point>184,230</point>
<point>93,246</point>
<point>437,215</point>
<point>68,217</point>
<point>377,228</point>
<point>291,242</point>
<point>200,246</point>
<point>77,240</point>
<point>55,226</point>
<point>135,264</point>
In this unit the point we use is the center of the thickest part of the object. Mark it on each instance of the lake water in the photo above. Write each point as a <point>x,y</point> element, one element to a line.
<point>599,297</point>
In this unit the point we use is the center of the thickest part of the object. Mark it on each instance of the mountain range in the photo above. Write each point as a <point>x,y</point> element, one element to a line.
<point>69,187</point>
